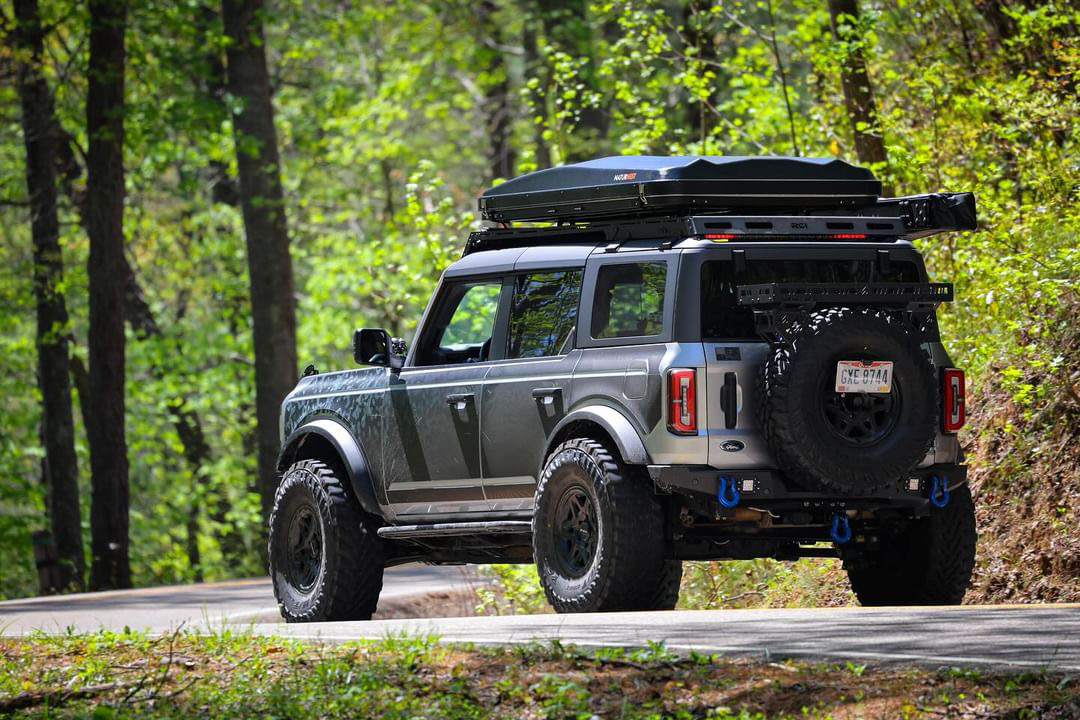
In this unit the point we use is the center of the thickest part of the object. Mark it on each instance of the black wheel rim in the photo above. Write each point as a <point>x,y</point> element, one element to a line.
<point>576,532</point>
<point>304,548</point>
<point>860,419</point>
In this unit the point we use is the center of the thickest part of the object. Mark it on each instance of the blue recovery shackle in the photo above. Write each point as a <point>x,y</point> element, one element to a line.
<point>841,529</point>
<point>939,492</point>
<point>728,494</point>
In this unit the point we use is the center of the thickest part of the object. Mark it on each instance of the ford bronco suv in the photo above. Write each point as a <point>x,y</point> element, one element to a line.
<point>645,360</point>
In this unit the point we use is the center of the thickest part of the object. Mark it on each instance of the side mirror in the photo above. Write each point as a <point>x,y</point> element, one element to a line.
<point>373,346</point>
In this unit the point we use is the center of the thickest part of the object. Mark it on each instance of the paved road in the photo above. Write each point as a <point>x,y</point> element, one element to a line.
<point>1020,637</point>
<point>197,606</point>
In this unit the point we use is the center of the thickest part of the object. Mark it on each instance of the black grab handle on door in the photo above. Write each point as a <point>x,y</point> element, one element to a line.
<point>729,400</point>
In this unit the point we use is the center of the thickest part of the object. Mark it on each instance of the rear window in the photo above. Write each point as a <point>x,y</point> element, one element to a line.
<point>543,313</point>
<point>629,300</point>
<point>723,319</point>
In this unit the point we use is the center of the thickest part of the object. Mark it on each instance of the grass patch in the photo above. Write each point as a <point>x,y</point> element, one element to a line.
<point>229,675</point>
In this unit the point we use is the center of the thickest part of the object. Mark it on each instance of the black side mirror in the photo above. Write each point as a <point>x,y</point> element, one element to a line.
<point>373,346</point>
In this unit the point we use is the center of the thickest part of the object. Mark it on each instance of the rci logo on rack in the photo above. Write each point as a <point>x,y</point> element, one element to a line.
<point>625,176</point>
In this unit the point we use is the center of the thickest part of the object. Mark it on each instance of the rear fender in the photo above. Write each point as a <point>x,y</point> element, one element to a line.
<point>615,424</point>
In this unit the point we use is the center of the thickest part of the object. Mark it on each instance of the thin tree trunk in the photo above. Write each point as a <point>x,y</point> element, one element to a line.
<point>700,117</point>
<point>535,68</point>
<point>110,567</point>
<point>858,92</point>
<point>269,264</point>
<point>566,25</point>
<point>497,106</point>
<point>60,467</point>
<point>211,83</point>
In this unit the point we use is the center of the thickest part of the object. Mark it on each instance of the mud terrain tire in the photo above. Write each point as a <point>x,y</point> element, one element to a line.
<point>929,563</point>
<point>326,561</point>
<point>597,532</point>
<point>852,443</point>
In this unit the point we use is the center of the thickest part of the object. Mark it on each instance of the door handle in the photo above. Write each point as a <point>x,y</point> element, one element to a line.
<point>458,401</point>
<point>547,394</point>
<point>729,400</point>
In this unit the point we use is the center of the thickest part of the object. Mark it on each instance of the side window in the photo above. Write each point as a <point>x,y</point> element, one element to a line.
<point>543,313</point>
<point>629,300</point>
<point>463,325</point>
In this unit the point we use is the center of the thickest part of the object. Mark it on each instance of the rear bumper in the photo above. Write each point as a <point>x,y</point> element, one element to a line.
<point>761,488</point>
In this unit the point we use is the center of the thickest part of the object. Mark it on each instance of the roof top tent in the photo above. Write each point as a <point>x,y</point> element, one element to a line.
<point>624,188</point>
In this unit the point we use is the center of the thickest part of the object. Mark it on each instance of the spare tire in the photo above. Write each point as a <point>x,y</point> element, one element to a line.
<point>849,443</point>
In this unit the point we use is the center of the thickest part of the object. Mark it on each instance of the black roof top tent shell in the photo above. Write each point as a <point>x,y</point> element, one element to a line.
<point>624,186</point>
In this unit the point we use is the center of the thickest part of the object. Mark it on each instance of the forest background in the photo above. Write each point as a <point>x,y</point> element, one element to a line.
<point>353,138</point>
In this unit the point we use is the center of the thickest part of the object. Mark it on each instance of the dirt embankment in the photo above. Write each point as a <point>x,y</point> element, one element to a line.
<point>1024,453</point>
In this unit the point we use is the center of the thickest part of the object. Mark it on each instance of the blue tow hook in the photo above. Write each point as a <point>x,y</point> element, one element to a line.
<point>939,492</point>
<point>728,501</point>
<point>841,529</point>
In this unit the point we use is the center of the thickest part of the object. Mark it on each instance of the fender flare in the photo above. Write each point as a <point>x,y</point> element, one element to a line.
<point>621,431</point>
<point>349,452</point>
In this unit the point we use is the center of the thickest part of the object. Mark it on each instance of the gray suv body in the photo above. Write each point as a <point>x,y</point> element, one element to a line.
<point>613,396</point>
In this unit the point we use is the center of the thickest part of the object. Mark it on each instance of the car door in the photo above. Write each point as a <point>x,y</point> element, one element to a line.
<point>432,450</point>
<point>525,394</point>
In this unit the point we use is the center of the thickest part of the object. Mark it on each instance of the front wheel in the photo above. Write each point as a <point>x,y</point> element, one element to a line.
<point>326,561</point>
<point>928,563</point>
<point>597,532</point>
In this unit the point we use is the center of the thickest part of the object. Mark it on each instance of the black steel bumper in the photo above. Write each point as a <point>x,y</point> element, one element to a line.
<point>761,488</point>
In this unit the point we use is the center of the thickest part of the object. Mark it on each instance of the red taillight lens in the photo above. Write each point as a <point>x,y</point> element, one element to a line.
<point>682,410</point>
<point>953,411</point>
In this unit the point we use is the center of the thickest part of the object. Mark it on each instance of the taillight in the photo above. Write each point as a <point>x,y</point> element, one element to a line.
<point>682,410</point>
<point>953,412</point>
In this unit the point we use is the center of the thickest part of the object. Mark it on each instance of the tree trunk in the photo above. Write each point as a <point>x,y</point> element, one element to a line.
<point>535,68</point>
<point>497,105</point>
<point>110,567</point>
<point>269,264</point>
<point>566,26</point>
<point>60,468</point>
<point>700,118</point>
<point>858,92</point>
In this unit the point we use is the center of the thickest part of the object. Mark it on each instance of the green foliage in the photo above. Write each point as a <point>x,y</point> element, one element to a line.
<point>127,675</point>
<point>516,591</point>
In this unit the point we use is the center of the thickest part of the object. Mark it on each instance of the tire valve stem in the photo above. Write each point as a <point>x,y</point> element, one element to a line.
<point>939,492</point>
<point>841,529</point>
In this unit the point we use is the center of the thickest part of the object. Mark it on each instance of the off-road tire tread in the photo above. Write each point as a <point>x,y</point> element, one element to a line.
<point>801,459</point>
<point>636,528</point>
<point>929,564</point>
<point>666,594</point>
<point>349,590</point>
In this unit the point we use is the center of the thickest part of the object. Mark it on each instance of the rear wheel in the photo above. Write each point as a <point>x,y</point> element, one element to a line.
<point>597,533</point>
<point>326,561</point>
<point>928,563</point>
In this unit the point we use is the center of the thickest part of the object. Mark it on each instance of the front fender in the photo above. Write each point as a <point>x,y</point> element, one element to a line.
<point>348,451</point>
<point>622,432</point>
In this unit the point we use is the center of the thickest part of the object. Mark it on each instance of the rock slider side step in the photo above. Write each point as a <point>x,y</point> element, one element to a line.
<point>495,527</point>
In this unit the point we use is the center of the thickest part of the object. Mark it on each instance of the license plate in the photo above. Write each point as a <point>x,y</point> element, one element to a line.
<point>860,377</point>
